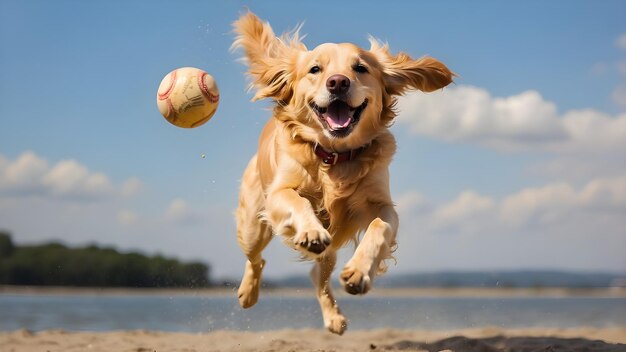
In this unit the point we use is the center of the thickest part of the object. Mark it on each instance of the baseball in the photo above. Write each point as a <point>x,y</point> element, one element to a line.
<point>188,97</point>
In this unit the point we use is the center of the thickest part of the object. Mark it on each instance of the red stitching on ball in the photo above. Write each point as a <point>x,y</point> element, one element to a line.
<point>212,98</point>
<point>167,93</point>
<point>171,113</point>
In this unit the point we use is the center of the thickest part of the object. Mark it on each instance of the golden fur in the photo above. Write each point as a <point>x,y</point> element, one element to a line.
<point>287,190</point>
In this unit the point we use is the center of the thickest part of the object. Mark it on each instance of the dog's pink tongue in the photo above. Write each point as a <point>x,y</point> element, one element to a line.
<point>338,115</point>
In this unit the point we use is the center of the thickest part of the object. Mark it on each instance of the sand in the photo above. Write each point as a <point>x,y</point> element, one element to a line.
<point>310,340</point>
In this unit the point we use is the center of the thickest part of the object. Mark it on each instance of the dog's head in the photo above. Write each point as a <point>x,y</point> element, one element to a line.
<point>341,94</point>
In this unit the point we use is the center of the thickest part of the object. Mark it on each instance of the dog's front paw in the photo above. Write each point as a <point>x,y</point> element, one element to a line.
<point>313,240</point>
<point>248,295</point>
<point>354,281</point>
<point>336,323</point>
<point>248,291</point>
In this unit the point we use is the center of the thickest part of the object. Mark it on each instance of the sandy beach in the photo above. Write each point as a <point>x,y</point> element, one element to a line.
<point>311,340</point>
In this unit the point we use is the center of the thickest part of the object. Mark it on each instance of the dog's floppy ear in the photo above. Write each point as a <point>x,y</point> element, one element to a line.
<point>402,73</point>
<point>270,59</point>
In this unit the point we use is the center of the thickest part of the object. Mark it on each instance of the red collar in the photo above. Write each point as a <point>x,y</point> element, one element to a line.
<point>332,158</point>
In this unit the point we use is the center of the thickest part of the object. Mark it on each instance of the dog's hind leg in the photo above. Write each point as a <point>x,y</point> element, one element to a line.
<point>320,275</point>
<point>253,234</point>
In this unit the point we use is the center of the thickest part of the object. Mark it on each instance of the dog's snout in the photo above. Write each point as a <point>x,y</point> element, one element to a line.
<point>337,84</point>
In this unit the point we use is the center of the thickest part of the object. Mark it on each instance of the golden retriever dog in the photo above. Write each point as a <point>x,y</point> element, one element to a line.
<point>320,176</point>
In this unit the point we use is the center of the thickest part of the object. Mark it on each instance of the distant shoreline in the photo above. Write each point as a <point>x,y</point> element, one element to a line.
<point>611,292</point>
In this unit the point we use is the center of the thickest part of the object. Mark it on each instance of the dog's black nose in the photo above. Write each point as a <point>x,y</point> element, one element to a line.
<point>337,84</point>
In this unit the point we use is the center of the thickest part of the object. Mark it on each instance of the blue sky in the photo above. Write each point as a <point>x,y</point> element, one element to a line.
<point>520,164</point>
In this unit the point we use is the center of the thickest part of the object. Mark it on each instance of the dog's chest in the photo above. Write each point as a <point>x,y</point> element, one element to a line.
<point>336,201</point>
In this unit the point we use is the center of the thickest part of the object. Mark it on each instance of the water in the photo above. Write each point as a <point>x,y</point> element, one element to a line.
<point>206,313</point>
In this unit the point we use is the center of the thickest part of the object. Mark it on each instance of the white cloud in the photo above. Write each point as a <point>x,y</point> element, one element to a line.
<point>603,194</point>
<point>599,68</point>
<point>23,175</point>
<point>522,122</point>
<point>468,210</point>
<point>621,67</point>
<point>412,203</point>
<point>619,96</point>
<point>32,175</point>
<point>471,212</point>
<point>131,187</point>
<point>620,42</point>
<point>552,226</point>
<point>531,205</point>
<point>126,217</point>
<point>70,179</point>
<point>180,212</point>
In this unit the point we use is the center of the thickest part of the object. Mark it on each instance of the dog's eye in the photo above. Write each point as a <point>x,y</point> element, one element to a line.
<point>360,68</point>
<point>315,69</point>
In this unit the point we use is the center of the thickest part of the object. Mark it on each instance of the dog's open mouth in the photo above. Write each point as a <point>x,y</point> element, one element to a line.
<point>338,117</point>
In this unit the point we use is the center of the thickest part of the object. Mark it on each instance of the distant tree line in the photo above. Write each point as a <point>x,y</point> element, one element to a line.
<point>55,264</point>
